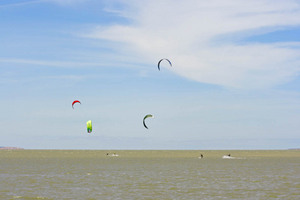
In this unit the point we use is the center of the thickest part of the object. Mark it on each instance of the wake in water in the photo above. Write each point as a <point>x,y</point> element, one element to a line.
<point>230,157</point>
<point>112,155</point>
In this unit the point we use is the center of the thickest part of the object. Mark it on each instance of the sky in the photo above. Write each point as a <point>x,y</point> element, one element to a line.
<point>234,81</point>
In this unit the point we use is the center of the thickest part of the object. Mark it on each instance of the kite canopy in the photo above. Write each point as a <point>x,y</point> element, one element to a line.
<point>89,126</point>
<point>76,101</point>
<point>147,116</point>
<point>158,65</point>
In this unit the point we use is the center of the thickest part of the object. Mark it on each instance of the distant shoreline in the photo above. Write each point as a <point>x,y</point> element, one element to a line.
<point>10,148</point>
<point>289,149</point>
<point>19,148</point>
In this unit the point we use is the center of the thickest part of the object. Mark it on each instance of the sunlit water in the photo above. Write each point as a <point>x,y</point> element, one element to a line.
<point>59,174</point>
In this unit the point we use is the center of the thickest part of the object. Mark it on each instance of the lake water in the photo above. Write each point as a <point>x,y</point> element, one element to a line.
<point>91,174</point>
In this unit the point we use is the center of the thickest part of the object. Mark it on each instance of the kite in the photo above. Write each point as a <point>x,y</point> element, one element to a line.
<point>147,116</point>
<point>158,65</point>
<point>89,126</point>
<point>76,101</point>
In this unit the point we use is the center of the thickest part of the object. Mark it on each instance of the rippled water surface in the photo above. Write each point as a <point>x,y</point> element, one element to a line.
<point>83,174</point>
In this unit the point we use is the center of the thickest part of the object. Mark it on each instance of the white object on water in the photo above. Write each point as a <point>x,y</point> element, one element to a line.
<point>228,157</point>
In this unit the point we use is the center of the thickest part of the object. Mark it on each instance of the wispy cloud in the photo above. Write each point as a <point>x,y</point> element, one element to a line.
<point>12,3</point>
<point>68,2</point>
<point>66,64</point>
<point>19,3</point>
<point>190,34</point>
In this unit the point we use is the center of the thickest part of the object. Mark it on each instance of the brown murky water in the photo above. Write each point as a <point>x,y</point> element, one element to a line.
<point>91,174</point>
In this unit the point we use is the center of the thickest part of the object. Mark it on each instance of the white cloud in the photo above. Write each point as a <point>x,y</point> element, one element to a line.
<point>189,32</point>
<point>11,3</point>
<point>65,64</point>
<point>68,2</point>
<point>20,3</point>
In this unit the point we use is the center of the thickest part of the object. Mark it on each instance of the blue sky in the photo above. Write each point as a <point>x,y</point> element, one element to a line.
<point>234,83</point>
